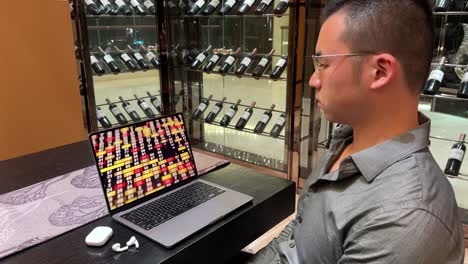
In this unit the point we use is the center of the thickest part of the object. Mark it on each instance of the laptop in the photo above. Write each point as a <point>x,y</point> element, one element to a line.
<point>150,181</point>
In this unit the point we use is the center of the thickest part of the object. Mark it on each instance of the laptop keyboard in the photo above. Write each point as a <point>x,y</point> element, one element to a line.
<point>161,210</point>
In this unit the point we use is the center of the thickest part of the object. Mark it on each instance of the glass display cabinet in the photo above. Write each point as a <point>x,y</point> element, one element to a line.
<point>447,105</point>
<point>232,69</point>
<point>228,66</point>
<point>119,44</point>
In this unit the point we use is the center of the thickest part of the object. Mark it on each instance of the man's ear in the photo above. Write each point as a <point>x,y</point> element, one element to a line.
<point>382,68</point>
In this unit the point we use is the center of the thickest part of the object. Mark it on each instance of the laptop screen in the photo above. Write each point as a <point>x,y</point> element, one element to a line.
<point>141,159</point>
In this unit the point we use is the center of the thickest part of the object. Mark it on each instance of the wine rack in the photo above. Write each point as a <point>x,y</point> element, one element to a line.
<point>133,102</point>
<point>246,129</point>
<point>451,13</point>
<point>231,16</point>
<point>111,32</point>
<point>177,38</point>
<point>191,34</point>
<point>245,75</point>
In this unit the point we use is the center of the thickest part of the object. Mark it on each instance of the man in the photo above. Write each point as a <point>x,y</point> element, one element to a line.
<point>377,195</point>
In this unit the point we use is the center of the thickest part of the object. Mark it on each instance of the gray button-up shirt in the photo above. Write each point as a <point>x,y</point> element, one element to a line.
<point>390,203</point>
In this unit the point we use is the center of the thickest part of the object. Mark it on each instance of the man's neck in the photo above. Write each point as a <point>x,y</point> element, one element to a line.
<point>378,129</point>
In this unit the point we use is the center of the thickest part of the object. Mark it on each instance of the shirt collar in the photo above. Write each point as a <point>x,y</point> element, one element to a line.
<point>372,161</point>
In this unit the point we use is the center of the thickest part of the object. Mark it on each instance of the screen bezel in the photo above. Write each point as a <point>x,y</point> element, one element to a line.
<point>155,194</point>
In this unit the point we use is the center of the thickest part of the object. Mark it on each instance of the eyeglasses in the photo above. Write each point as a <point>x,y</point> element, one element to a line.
<point>322,66</point>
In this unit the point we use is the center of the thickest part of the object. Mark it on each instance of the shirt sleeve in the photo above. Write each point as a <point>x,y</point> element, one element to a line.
<point>403,236</point>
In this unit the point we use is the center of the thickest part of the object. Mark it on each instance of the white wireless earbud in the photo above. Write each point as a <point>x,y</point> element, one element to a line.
<point>116,248</point>
<point>133,241</point>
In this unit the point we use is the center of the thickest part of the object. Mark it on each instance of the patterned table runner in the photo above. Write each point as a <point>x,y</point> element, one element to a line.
<point>39,212</point>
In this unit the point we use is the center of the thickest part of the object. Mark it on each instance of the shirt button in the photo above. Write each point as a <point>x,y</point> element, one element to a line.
<point>313,189</point>
<point>292,244</point>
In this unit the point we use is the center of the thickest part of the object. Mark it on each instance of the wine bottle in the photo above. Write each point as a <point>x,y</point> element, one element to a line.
<point>215,111</point>
<point>110,62</point>
<point>202,107</point>
<point>261,66</point>
<point>245,117</point>
<point>200,58</point>
<point>213,61</point>
<point>151,57</point>
<point>173,9</point>
<point>262,7</point>
<point>264,121</point>
<point>456,157</point>
<point>245,7</point>
<point>145,107</point>
<point>72,10</point>
<point>185,5</point>
<point>230,114</point>
<point>442,5</point>
<point>92,7</point>
<point>108,8</point>
<point>281,7</point>
<point>137,8</point>
<point>138,58</point>
<point>245,63</point>
<point>97,67</point>
<point>211,7</point>
<point>228,62</point>
<point>77,51</point>
<point>123,8</point>
<point>150,6</point>
<point>102,118</point>
<point>116,112</point>
<point>227,7</point>
<point>154,100</point>
<point>463,89</point>
<point>174,54</point>
<point>130,110</point>
<point>435,79</point>
<point>279,68</point>
<point>196,7</point>
<point>126,59</point>
<point>278,127</point>
<point>189,56</point>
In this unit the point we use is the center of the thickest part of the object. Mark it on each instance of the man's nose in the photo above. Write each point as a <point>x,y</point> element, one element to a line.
<point>315,81</point>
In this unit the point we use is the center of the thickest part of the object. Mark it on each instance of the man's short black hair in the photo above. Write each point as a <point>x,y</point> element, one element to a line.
<point>403,28</point>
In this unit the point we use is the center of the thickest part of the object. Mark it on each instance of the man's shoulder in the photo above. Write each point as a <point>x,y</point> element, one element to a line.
<point>416,177</point>
<point>418,183</point>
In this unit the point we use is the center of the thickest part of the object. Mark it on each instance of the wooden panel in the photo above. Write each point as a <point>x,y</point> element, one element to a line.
<point>40,105</point>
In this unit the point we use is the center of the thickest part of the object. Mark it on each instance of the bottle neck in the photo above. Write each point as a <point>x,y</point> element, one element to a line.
<point>462,138</point>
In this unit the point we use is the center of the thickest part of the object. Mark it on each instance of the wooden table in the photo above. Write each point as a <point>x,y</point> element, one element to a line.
<point>274,200</point>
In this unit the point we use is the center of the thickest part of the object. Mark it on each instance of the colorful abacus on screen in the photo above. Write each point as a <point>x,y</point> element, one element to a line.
<point>141,159</point>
